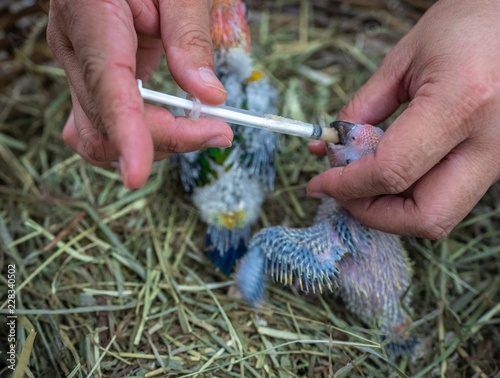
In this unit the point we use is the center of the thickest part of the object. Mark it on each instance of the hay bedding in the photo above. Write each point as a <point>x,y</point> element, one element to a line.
<point>113,283</point>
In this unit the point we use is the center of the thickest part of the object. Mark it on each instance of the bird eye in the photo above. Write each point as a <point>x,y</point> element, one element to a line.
<point>353,138</point>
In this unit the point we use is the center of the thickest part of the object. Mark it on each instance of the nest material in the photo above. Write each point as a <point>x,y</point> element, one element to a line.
<point>114,282</point>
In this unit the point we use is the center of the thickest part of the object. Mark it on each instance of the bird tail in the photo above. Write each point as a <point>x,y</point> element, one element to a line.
<point>403,347</point>
<point>399,341</point>
<point>397,337</point>
<point>225,246</point>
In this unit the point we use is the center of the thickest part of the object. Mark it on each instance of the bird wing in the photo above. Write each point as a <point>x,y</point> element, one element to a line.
<point>310,256</point>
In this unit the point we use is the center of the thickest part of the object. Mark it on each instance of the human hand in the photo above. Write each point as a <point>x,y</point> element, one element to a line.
<point>440,156</point>
<point>104,46</point>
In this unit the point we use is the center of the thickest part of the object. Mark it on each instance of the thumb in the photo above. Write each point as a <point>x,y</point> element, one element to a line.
<point>185,31</point>
<point>382,94</point>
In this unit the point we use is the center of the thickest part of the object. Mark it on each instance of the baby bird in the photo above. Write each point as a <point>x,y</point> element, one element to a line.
<point>228,185</point>
<point>367,268</point>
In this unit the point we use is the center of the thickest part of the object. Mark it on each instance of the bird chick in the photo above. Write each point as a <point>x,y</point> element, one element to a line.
<point>367,268</point>
<point>228,185</point>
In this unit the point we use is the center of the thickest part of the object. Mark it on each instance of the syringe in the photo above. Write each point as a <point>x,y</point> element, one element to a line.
<point>195,109</point>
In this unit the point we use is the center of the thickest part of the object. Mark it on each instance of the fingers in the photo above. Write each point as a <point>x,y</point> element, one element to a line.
<point>427,173</point>
<point>439,201</point>
<point>317,147</point>
<point>421,136</point>
<point>171,135</point>
<point>105,43</point>
<point>185,31</point>
<point>179,134</point>
<point>149,52</point>
<point>96,44</point>
<point>383,93</point>
<point>71,137</point>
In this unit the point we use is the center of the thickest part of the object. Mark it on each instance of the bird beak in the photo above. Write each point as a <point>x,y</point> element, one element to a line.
<point>343,128</point>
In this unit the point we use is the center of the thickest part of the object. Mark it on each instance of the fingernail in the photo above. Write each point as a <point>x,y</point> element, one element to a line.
<point>123,170</point>
<point>317,195</point>
<point>220,141</point>
<point>208,77</point>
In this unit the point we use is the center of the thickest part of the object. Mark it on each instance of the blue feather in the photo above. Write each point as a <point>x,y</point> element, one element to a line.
<point>251,277</point>
<point>225,247</point>
<point>405,347</point>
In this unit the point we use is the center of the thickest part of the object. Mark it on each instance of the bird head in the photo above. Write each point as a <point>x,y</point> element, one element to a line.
<point>228,26</point>
<point>355,141</point>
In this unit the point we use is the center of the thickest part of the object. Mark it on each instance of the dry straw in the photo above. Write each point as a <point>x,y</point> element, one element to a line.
<point>114,283</point>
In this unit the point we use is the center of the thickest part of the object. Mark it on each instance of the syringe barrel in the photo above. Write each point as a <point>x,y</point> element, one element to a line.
<point>269,122</point>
